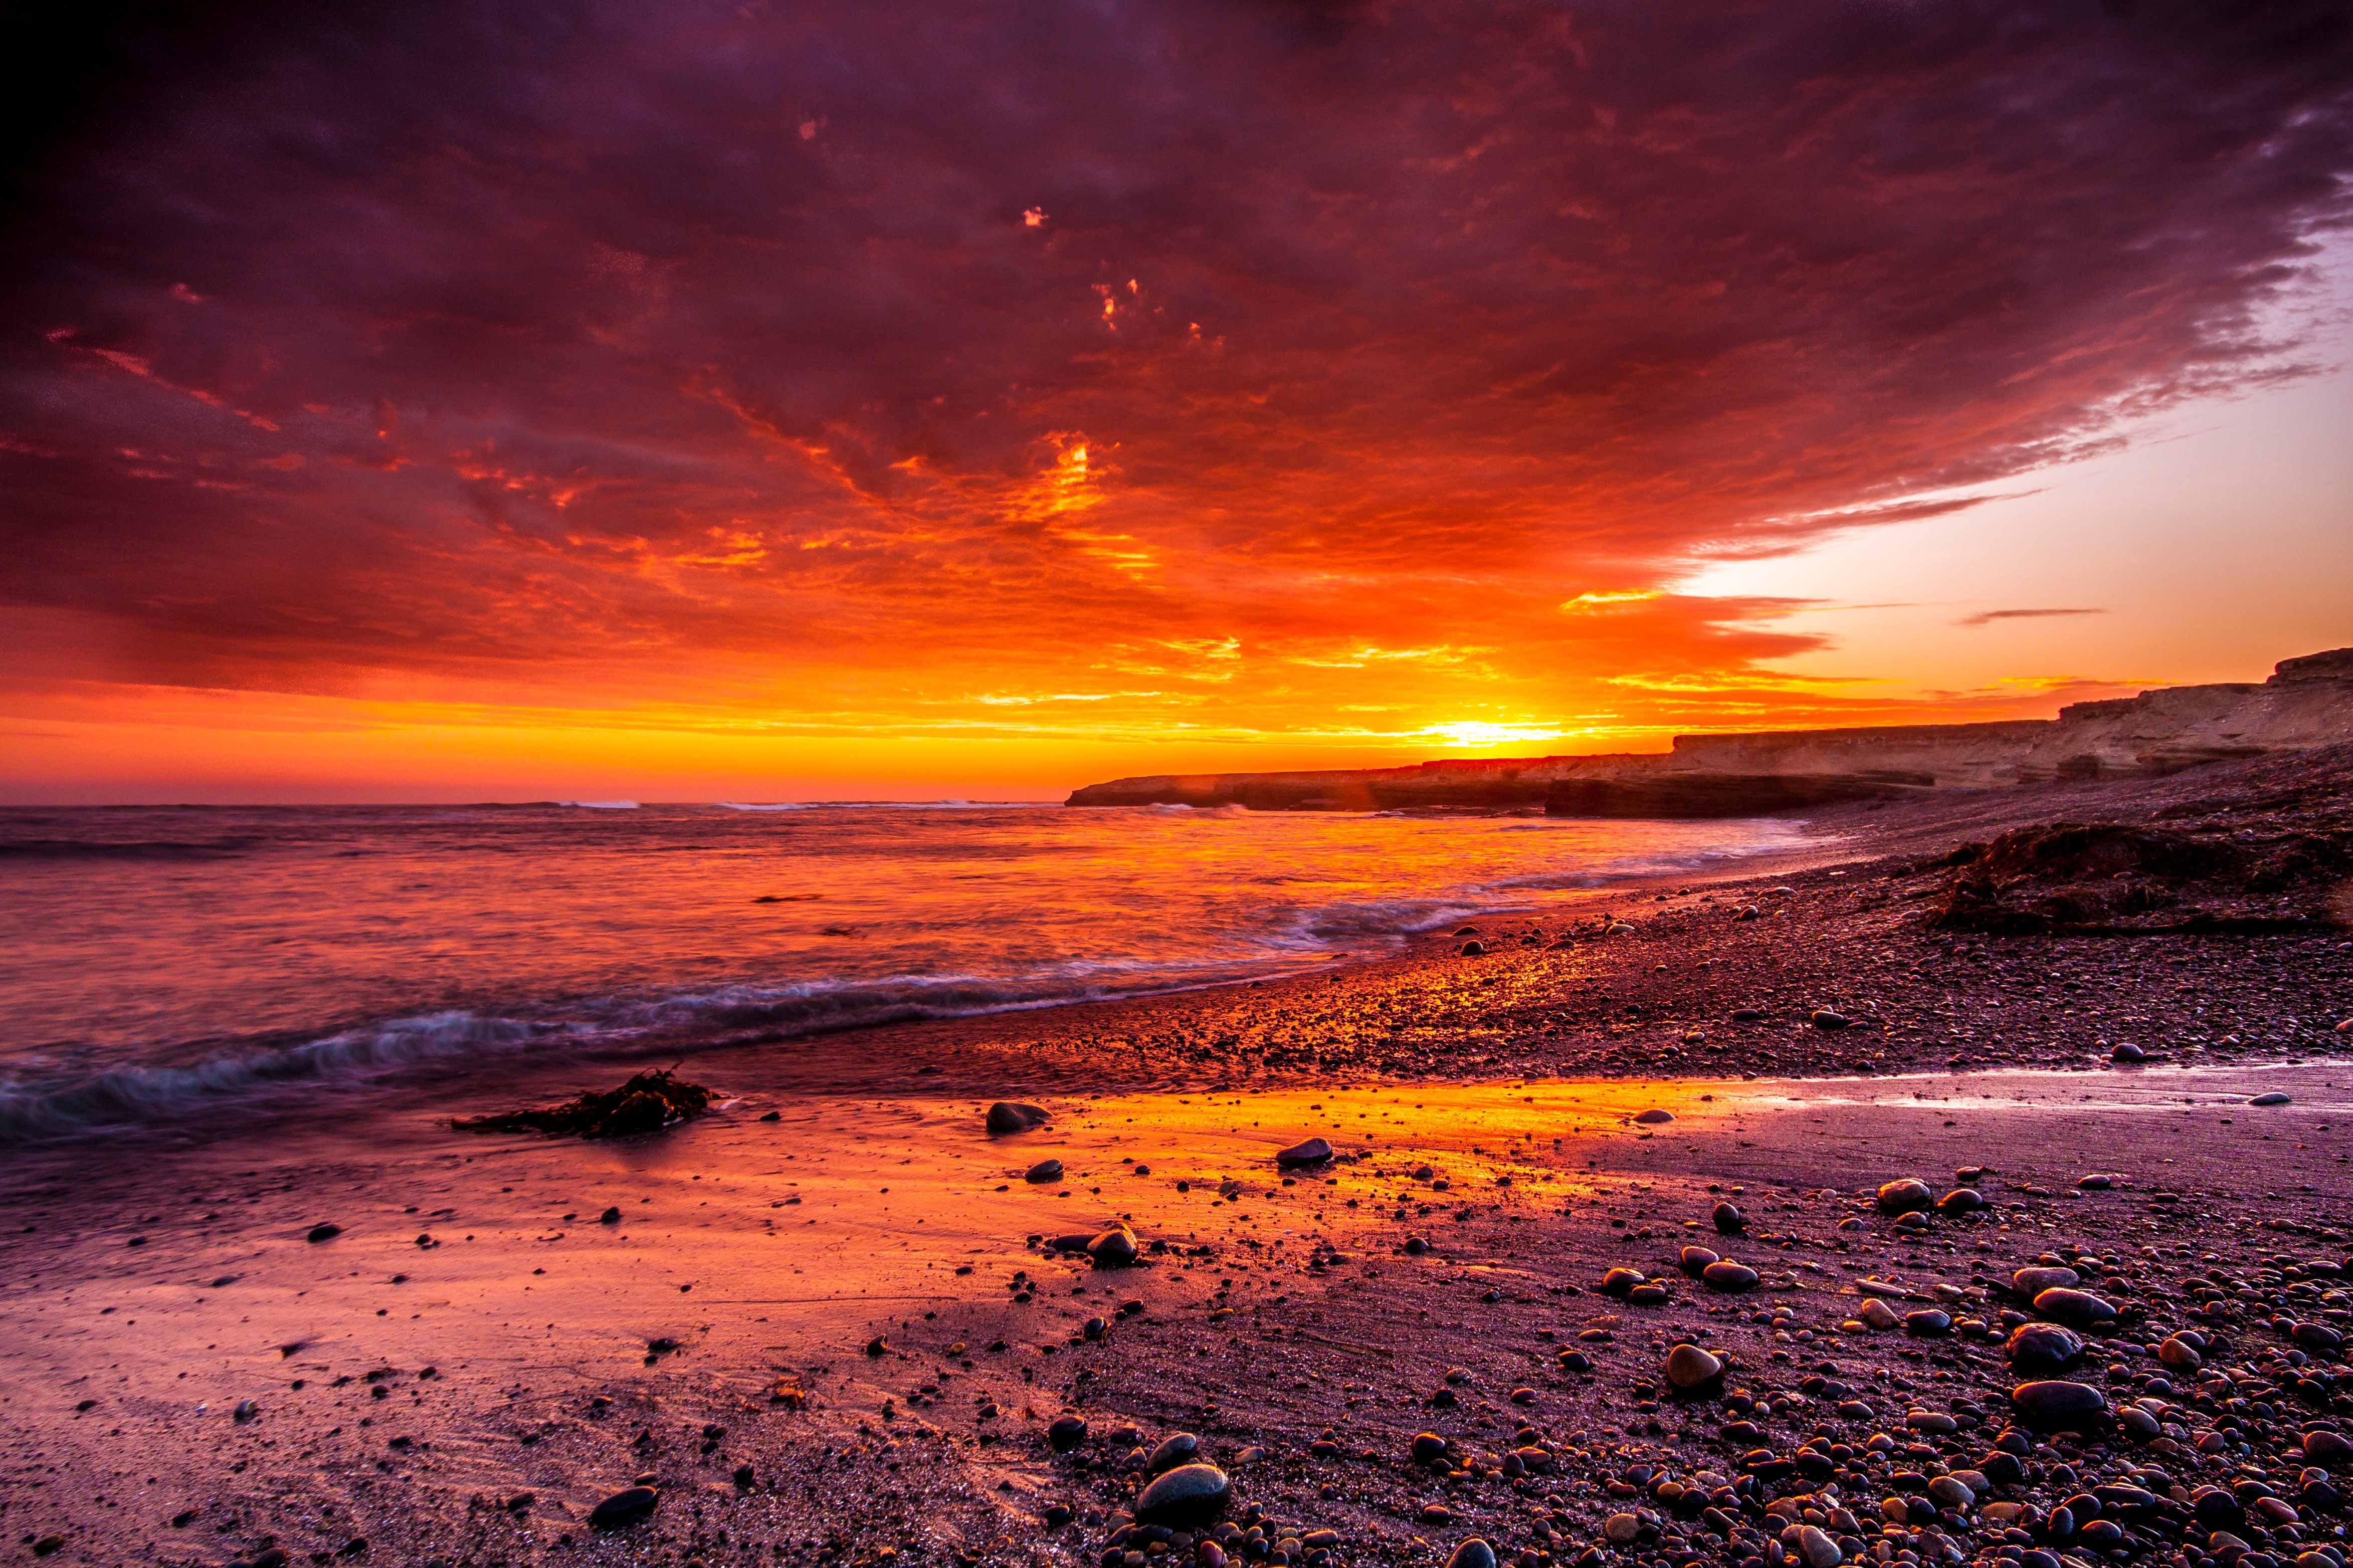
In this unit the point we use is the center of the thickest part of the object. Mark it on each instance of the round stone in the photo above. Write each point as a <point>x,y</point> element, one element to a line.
<point>2077,1309</point>
<point>1010,1116</point>
<point>2057,1406</point>
<point>1929,1322</point>
<point>1962,1200</point>
<point>2273,1097</point>
<point>1619,1529</point>
<point>625,1506</point>
<point>1818,1549</point>
<point>1426,1447</point>
<point>1186,1496</point>
<point>2041,1348</point>
<point>2330,1449</point>
<point>1728,1220</point>
<point>1726,1275</point>
<point>2178,1352</point>
<point>1044,1171</point>
<point>2032,1283</point>
<point>1114,1248</point>
<point>1621,1282</point>
<point>2127,1052</point>
<point>1313,1152</point>
<point>1696,1259</point>
<point>1067,1433</point>
<point>1653,1117</point>
<point>1692,1369</point>
<point>1176,1448</point>
<point>1824,1018</point>
<point>1473,1554</point>
<point>1905,1196</point>
<point>2095,1183</point>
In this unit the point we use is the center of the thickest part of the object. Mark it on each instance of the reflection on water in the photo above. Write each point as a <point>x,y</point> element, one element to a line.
<point>152,958</point>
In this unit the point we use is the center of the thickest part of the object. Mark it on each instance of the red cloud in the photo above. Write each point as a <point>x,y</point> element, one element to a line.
<point>713,352</point>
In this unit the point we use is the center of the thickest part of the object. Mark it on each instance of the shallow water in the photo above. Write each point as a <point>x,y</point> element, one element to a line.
<point>154,960</point>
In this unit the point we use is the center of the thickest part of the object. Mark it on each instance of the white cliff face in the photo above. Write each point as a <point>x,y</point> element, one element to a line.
<point>2307,702</point>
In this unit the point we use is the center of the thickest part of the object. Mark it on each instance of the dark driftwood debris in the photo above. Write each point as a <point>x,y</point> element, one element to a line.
<point>647,1103</point>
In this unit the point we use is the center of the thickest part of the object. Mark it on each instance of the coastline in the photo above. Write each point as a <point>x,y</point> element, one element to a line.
<point>1299,1309</point>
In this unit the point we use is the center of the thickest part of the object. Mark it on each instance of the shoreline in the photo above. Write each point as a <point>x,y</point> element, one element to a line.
<point>777,1328</point>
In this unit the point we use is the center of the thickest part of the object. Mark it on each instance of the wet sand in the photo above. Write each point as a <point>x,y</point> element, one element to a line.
<point>443,1355</point>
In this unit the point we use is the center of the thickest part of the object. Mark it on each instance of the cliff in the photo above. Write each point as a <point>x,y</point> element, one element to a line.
<point>2306,702</point>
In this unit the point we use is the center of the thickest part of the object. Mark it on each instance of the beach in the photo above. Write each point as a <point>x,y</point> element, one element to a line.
<point>828,1321</point>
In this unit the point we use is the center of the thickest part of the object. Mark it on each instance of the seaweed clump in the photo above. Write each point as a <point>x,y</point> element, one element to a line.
<point>647,1103</point>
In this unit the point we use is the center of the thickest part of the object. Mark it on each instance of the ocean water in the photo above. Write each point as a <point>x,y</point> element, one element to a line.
<point>153,961</point>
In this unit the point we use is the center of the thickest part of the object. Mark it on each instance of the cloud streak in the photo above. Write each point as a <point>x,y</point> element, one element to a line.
<point>1988,618</point>
<point>720,354</point>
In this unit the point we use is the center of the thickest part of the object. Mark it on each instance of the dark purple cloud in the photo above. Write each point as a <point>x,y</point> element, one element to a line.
<point>688,348</point>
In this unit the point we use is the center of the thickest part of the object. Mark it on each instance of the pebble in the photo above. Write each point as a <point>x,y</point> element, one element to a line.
<point>610,1216</point>
<point>1696,1259</point>
<point>1065,1432</point>
<point>1010,1116</point>
<point>2331,1449</point>
<point>1726,1275</point>
<point>2127,1052</point>
<point>2077,1309</point>
<point>2032,1283</point>
<point>1618,1281</point>
<point>625,1506</point>
<point>2057,1406</point>
<point>2043,1348</point>
<point>2274,1097</point>
<point>1654,1116</point>
<point>1044,1171</point>
<point>1313,1152</point>
<point>1824,1018</point>
<point>1905,1196</point>
<point>1963,1200</point>
<point>1819,1550</point>
<point>1114,1248</point>
<point>1929,1322</point>
<point>324,1232</point>
<point>2095,1183</point>
<point>1728,1220</point>
<point>1620,1529</point>
<point>1473,1554</point>
<point>1176,1448</point>
<point>1692,1369</point>
<point>1185,1497</point>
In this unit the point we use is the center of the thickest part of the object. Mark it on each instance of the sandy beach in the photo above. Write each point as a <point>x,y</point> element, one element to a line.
<point>827,1322</point>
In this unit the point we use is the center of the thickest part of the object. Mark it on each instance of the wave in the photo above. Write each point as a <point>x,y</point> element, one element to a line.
<point>878,805</point>
<point>601,805</point>
<point>32,1112</point>
<point>100,849</point>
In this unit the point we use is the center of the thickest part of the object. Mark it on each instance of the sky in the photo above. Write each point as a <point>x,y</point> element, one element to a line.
<point>877,400</point>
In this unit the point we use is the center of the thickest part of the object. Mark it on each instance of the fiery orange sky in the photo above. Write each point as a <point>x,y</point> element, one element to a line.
<point>832,400</point>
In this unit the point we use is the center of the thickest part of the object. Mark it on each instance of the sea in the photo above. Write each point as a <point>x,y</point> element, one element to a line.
<point>157,962</point>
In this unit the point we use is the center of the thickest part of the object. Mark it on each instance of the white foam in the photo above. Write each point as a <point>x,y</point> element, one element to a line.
<point>601,805</point>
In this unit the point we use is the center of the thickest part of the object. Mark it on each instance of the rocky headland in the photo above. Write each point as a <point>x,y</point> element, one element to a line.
<point>2307,702</point>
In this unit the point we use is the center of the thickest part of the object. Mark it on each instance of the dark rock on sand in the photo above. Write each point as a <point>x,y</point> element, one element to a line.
<point>1176,1448</point>
<point>2056,1406</point>
<point>1824,1018</point>
<point>1696,1259</point>
<point>323,1233</point>
<point>1114,1248</point>
<point>1066,1433</point>
<point>2037,1348</point>
<point>1313,1152</point>
<point>2127,1053</point>
<point>1692,1373</point>
<point>647,1103</point>
<point>1905,1196</point>
<point>1963,1200</point>
<point>1185,1497</point>
<point>1728,1276</point>
<point>1044,1171</point>
<point>625,1506</point>
<point>1010,1116</point>
<point>2274,1097</point>
<point>2077,1309</point>
<point>1728,1220</point>
<point>1620,1281</point>
<point>2032,1281</point>
<point>1473,1554</point>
